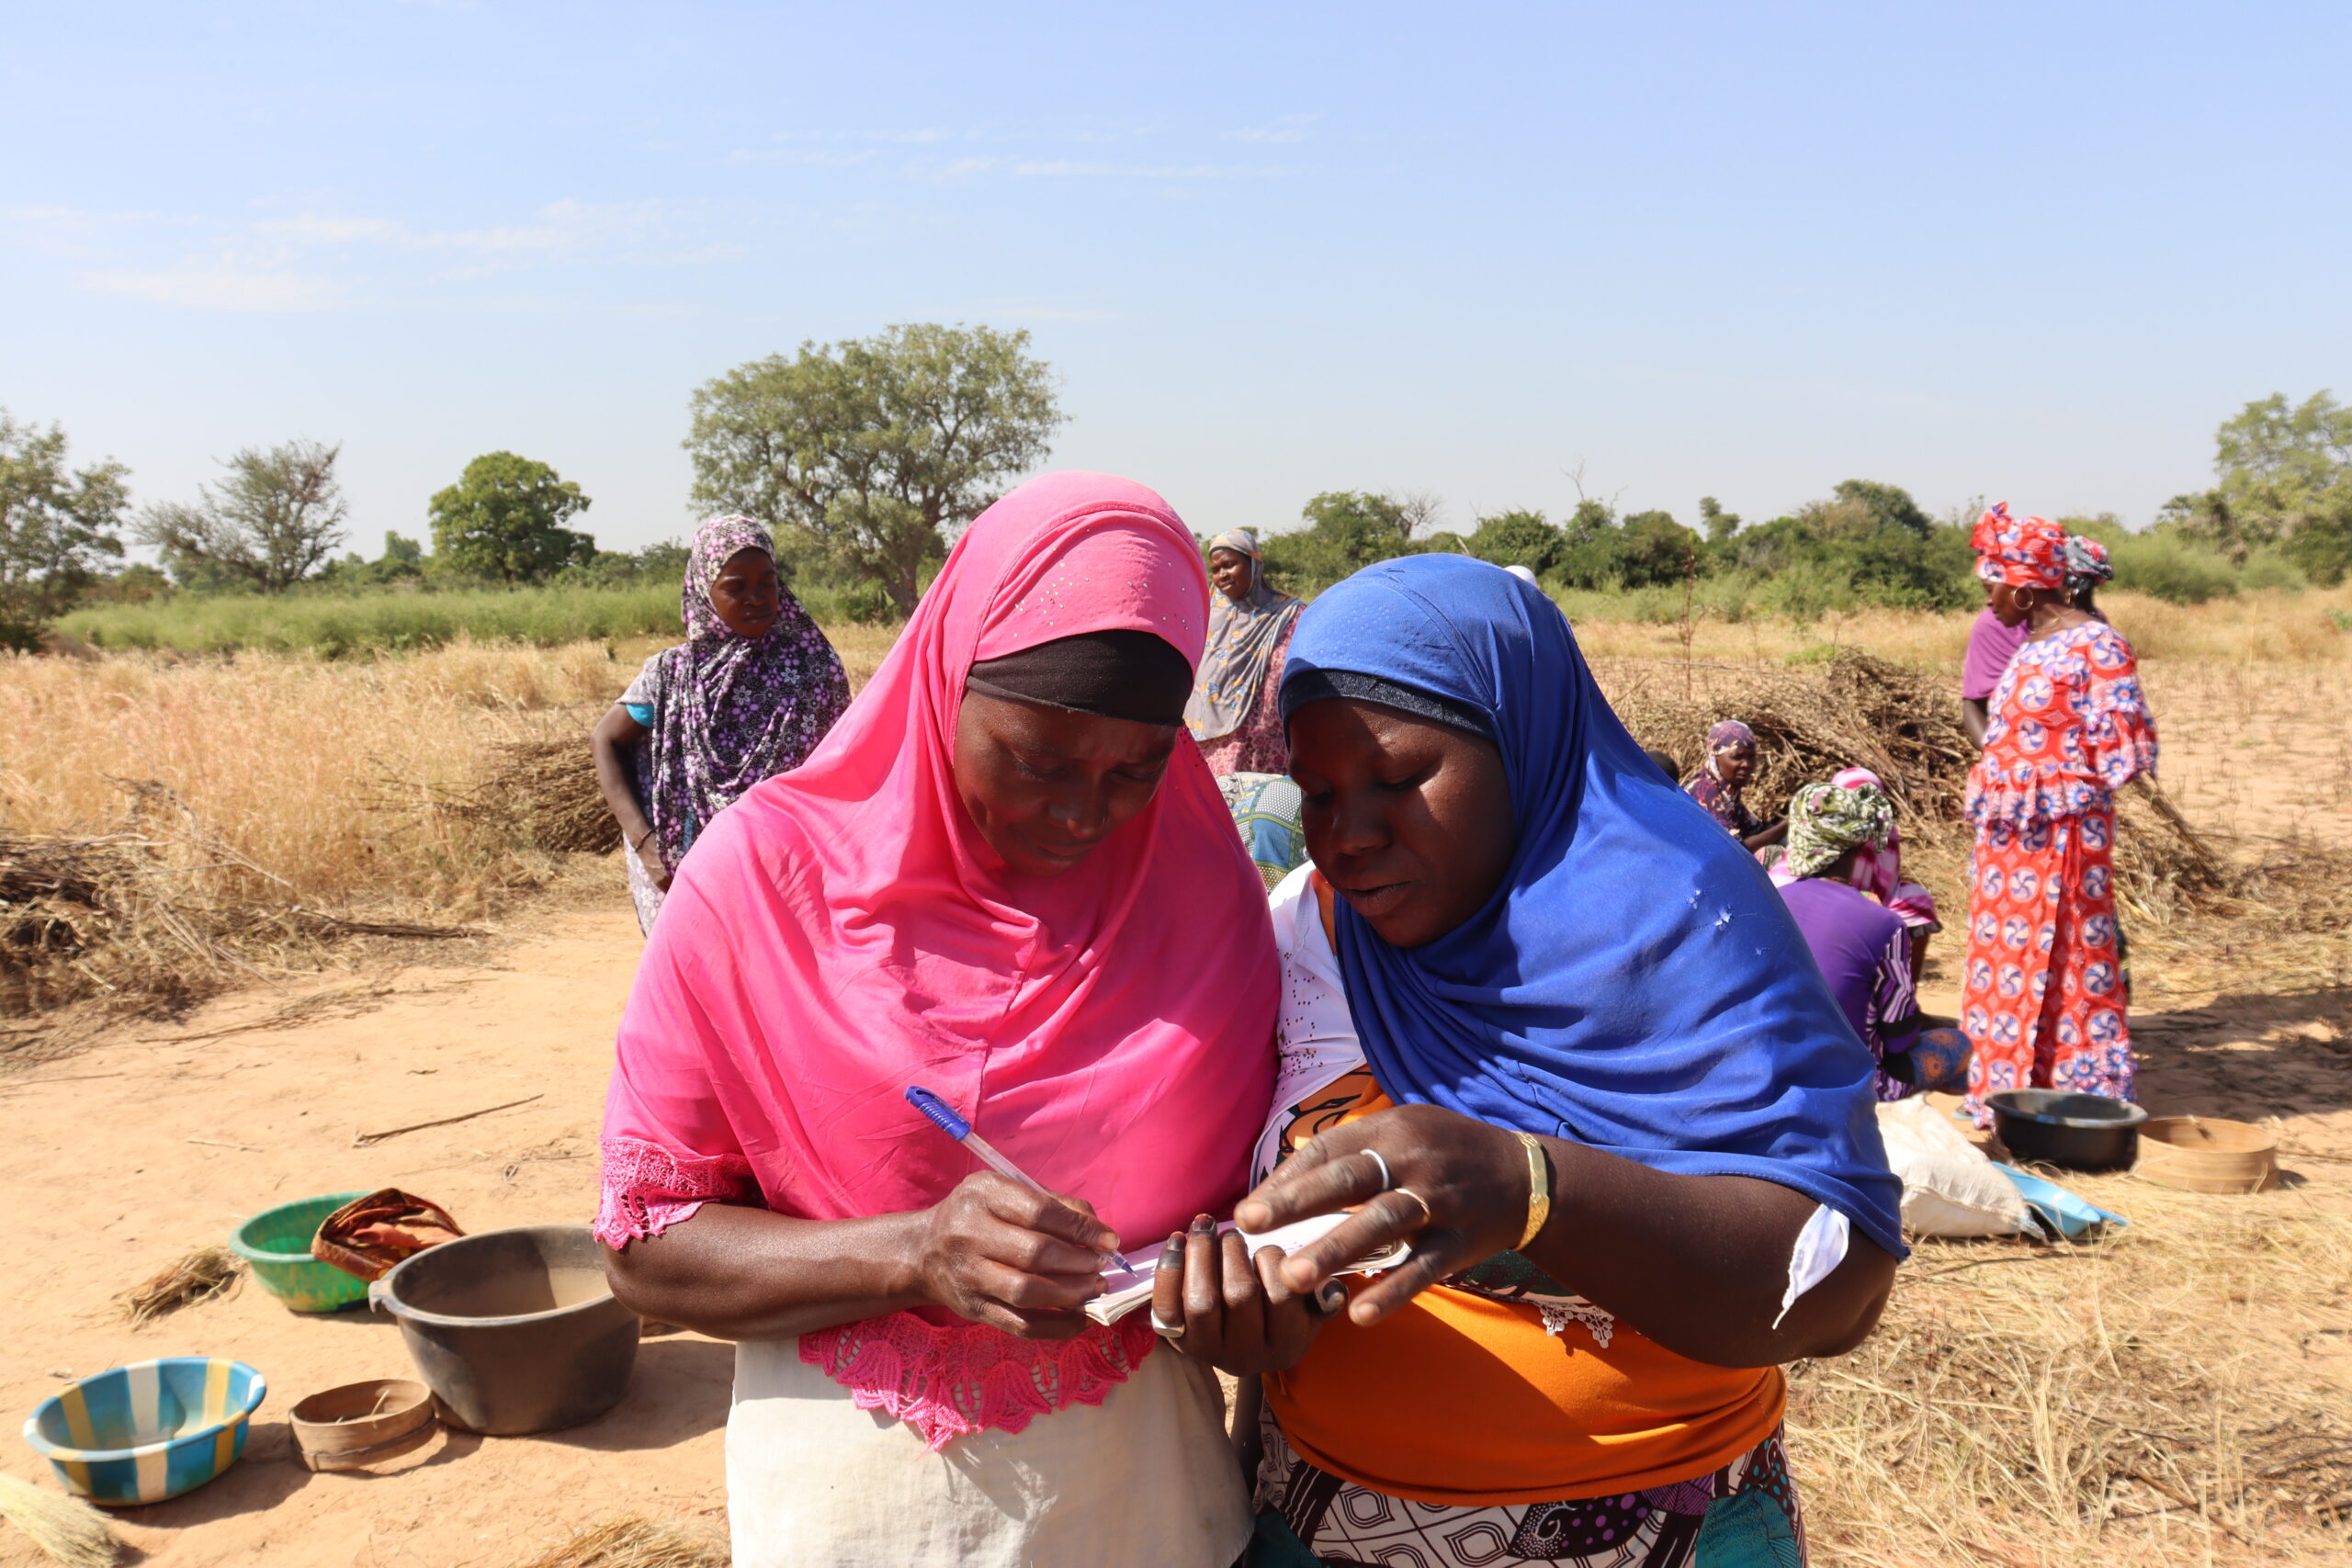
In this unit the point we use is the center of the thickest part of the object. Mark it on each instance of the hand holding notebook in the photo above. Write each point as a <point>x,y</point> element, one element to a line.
<point>1126,1288</point>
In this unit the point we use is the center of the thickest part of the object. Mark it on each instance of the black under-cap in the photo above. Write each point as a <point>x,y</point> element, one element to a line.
<point>1111,674</point>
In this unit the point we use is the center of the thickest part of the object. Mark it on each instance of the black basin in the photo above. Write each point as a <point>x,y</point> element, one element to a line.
<point>2079,1132</point>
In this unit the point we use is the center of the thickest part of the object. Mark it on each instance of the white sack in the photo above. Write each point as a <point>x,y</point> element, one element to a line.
<point>1948,1187</point>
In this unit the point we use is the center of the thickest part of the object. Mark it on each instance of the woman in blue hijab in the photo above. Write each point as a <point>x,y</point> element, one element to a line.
<point>1546,1023</point>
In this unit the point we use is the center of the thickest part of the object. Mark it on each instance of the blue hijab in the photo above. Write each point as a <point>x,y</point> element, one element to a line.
<point>1636,984</point>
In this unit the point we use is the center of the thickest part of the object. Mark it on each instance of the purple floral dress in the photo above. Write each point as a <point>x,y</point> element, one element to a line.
<point>723,712</point>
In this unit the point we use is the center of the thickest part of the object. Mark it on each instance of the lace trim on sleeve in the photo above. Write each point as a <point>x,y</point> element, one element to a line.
<point>647,1189</point>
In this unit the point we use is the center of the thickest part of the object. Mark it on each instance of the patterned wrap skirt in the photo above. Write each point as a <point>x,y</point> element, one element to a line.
<point>2045,997</point>
<point>1743,1515</point>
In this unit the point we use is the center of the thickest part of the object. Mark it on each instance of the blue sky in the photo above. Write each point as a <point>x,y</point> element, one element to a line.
<point>2036,251</point>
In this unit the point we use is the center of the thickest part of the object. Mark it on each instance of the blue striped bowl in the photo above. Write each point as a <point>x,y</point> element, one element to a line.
<point>147,1431</point>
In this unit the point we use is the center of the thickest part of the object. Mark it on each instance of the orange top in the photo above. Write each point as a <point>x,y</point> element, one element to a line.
<point>1509,1389</point>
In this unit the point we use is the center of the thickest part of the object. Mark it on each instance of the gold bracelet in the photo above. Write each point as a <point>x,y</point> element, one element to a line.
<point>1539,1188</point>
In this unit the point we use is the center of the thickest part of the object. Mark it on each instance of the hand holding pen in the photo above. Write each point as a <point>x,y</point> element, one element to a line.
<point>986,1153</point>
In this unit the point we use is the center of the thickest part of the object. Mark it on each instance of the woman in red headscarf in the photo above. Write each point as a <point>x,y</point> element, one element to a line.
<point>2045,997</point>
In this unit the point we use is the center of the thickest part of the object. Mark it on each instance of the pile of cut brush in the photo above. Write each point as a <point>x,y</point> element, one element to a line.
<point>543,791</point>
<point>154,917</point>
<point>89,914</point>
<point>1900,721</point>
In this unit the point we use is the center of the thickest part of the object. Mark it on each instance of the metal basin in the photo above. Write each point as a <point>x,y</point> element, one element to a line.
<point>2080,1131</point>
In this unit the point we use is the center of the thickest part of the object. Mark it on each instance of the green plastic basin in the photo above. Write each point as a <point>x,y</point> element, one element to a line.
<point>276,1242</point>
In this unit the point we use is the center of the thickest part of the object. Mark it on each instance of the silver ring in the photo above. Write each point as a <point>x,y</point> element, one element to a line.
<point>1164,1329</point>
<point>1387,1181</point>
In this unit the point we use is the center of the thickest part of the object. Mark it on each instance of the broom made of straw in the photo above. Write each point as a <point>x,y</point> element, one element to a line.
<point>201,1275</point>
<point>67,1529</point>
<point>633,1541</point>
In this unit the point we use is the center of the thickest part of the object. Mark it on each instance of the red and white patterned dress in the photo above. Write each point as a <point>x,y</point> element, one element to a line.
<point>2044,998</point>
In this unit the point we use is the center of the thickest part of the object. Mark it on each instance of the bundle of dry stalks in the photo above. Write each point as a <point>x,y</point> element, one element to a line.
<point>200,1277</point>
<point>154,918</point>
<point>56,901</point>
<point>632,1541</point>
<point>101,914</point>
<point>543,791</point>
<point>2150,1396</point>
<point>1898,720</point>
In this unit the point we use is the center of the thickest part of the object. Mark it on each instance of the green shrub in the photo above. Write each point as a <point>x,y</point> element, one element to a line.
<point>1519,538</point>
<point>865,603</point>
<point>337,626</point>
<point>2272,568</point>
<point>2171,568</point>
<point>1806,590</point>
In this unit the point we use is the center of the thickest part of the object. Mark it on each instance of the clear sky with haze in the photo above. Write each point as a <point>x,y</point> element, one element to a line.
<point>2032,251</point>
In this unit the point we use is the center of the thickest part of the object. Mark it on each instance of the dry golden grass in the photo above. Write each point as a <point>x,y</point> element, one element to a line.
<point>190,1281</point>
<point>2273,627</point>
<point>313,772</point>
<point>2158,1395</point>
<point>67,1530</point>
<point>177,824</point>
<point>230,815</point>
<point>862,648</point>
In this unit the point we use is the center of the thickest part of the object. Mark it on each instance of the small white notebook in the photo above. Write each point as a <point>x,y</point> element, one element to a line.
<point>1127,1288</point>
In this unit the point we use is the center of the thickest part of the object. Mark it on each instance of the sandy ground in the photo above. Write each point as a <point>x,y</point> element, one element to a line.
<point>96,1156</point>
<point>2260,750</point>
<point>108,1186</point>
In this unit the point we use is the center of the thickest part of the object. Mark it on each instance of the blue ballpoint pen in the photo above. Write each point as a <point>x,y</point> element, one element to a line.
<point>956,1127</point>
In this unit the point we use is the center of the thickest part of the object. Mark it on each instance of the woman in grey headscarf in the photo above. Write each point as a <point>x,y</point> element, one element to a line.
<point>1234,713</point>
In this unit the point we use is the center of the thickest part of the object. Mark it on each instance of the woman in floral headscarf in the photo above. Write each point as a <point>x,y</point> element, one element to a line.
<point>1839,834</point>
<point>1233,712</point>
<point>748,695</point>
<point>1721,785</point>
<point>1878,871</point>
<point>2044,998</point>
<point>2087,566</point>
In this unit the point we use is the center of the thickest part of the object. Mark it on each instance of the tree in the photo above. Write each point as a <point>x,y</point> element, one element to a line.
<point>56,528</point>
<point>1519,538</point>
<point>504,518</point>
<point>866,450</point>
<point>1885,505</point>
<point>1346,531</point>
<point>1720,524</point>
<point>667,559</point>
<point>2286,480</point>
<point>1589,560</point>
<point>403,561</point>
<point>275,519</point>
<point>1865,541</point>
<point>1653,549</point>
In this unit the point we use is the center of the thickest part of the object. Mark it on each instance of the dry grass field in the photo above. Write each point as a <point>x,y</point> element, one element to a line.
<point>2177,1392</point>
<point>241,806</point>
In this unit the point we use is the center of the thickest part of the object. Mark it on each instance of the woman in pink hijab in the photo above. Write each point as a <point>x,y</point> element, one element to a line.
<point>1005,876</point>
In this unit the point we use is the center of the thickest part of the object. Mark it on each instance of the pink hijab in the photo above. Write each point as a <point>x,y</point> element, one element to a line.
<point>843,930</point>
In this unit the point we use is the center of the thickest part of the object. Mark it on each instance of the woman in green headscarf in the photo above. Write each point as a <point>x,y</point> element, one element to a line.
<point>1863,948</point>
